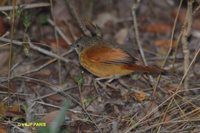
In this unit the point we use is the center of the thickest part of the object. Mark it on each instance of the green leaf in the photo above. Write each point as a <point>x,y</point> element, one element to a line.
<point>79,80</point>
<point>26,22</point>
<point>44,130</point>
<point>57,123</point>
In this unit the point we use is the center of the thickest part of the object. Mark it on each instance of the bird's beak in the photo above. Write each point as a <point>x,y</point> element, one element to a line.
<point>74,48</point>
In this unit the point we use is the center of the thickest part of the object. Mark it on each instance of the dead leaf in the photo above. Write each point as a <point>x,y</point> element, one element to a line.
<point>56,98</point>
<point>11,110</point>
<point>140,96</point>
<point>54,44</point>
<point>49,118</point>
<point>2,130</point>
<point>157,28</point>
<point>3,108</point>
<point>3,2</point>
<point>196,24</point>
<point>165,44</point>
<point>121,36</point>
<point>14,110</point>
<point>104,18</point>
<point>181,18</point>
<point>181,15</point>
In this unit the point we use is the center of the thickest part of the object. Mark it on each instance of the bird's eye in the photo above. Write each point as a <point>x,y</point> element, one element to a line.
<point>78,45</point>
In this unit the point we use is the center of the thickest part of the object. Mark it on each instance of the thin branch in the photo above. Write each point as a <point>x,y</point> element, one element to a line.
<point>25,6</point>
<point>170,48</point>
<point>77,18</point>
<point>36,69</point>
<point>56,30</point>
<point>168,99</point>
<point>187,27</point>
<point>65,95</point>
<point>12,21</point>
<point>134,8</point>
<point>59,31</point>
<point>39,49</point>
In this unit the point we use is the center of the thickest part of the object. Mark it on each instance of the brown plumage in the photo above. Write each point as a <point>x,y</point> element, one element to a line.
<point>104,59</point>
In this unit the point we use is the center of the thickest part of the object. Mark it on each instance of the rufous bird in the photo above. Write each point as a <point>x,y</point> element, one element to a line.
<point>106,59</point>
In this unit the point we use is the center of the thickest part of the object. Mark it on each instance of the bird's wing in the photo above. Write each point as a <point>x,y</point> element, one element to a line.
<point>110,55</point>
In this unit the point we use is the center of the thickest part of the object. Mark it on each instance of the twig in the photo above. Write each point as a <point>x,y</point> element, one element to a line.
<point>56,30</point>
<point>20,94</point>
<point>168,99</point>
<point>59,31</point>
<point>13,15</point>
<point>77,18</point>
<point>38,68</point>
<point>186,73</point>
<point>170,48</point>
<point>25,6</point>
<point>184,76</point>
<point>179,37</point>
<point>187,26</point>
<point>55,89</point>
<point>53,93</point>
<point>196,10</point>
<point>170,122</point>
<point>186,31</point>
<point>34,47</point>
<point>17,127</point>
<point>134,8</point>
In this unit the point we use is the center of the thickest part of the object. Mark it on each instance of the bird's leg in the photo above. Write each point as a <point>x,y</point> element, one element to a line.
<point>98,82</point>
<point>106,84</point>
<point>109,80</point>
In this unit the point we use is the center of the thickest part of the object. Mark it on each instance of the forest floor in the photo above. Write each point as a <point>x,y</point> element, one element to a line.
<point>40,75</point>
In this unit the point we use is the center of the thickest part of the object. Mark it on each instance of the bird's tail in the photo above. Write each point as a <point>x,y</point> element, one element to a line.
<point>145,69</point>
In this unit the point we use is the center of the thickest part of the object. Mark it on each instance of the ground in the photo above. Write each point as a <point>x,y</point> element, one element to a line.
<point>42,82</point>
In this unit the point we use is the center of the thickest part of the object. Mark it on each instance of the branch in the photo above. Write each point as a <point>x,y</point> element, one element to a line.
<point>39,49</point>
<point>25,6</point>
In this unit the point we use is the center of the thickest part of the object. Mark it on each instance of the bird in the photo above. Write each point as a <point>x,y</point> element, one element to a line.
<point>107,59</point>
